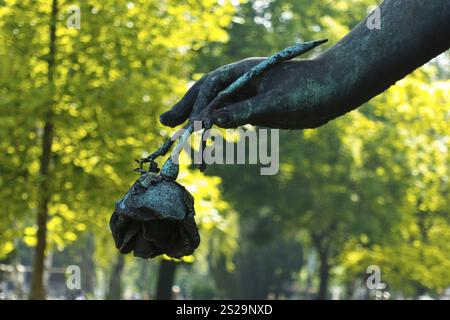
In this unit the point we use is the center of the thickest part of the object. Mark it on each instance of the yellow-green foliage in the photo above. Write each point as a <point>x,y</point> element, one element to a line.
<point>127,63</point>
<point>414,252</point>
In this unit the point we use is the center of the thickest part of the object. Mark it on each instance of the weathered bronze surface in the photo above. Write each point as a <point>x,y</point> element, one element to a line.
<point>232,89</point>
<point>156,216</point>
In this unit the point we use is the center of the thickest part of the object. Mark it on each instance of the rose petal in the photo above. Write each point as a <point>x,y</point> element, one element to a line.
<point>117,229</point>
<point>146,249</point>
<point>156,219</point>
<point>164,200</point>
<point>163,233</point>
<point>129,239</point>
<point>191,232</point>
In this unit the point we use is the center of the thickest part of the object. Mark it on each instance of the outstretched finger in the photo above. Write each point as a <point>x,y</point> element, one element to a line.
<point>180,112</point>
<point>219,80</point>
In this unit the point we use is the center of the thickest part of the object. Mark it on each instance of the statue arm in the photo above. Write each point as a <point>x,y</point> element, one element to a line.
<point>308,93</point>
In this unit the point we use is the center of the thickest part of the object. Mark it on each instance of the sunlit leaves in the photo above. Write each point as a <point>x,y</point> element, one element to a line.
<point>127,63</point>
<point>373,182</point>
<point>415,131</point>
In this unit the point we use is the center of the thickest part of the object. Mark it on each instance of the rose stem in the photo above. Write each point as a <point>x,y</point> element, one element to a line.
<point>233,88</point>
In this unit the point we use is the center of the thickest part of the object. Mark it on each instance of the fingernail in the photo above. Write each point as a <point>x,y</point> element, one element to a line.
<point>222,117</point>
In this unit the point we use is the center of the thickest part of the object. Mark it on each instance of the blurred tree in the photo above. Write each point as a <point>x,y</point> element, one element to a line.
<point>166,277</point>
<point>413,255</point>
<point>277,24</point>
<point>67,92</point>
<point>344,183</point>
<point>115,289</point>
<point>370,188</point>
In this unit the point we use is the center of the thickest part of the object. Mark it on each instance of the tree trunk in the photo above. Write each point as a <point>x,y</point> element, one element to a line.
<point>324,274</point>
<point>37,283</point>
<point>166,277</point>
<point>88,265</point>
<point>143,281</point>
<point>115,282</point>
<point>349,290</point>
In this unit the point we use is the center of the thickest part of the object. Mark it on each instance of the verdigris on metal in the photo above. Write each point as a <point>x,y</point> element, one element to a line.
<point>232,89</point>
<point>156,216</point>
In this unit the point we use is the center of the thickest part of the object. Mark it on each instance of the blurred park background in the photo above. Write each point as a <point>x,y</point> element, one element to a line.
<point>77,105</point>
